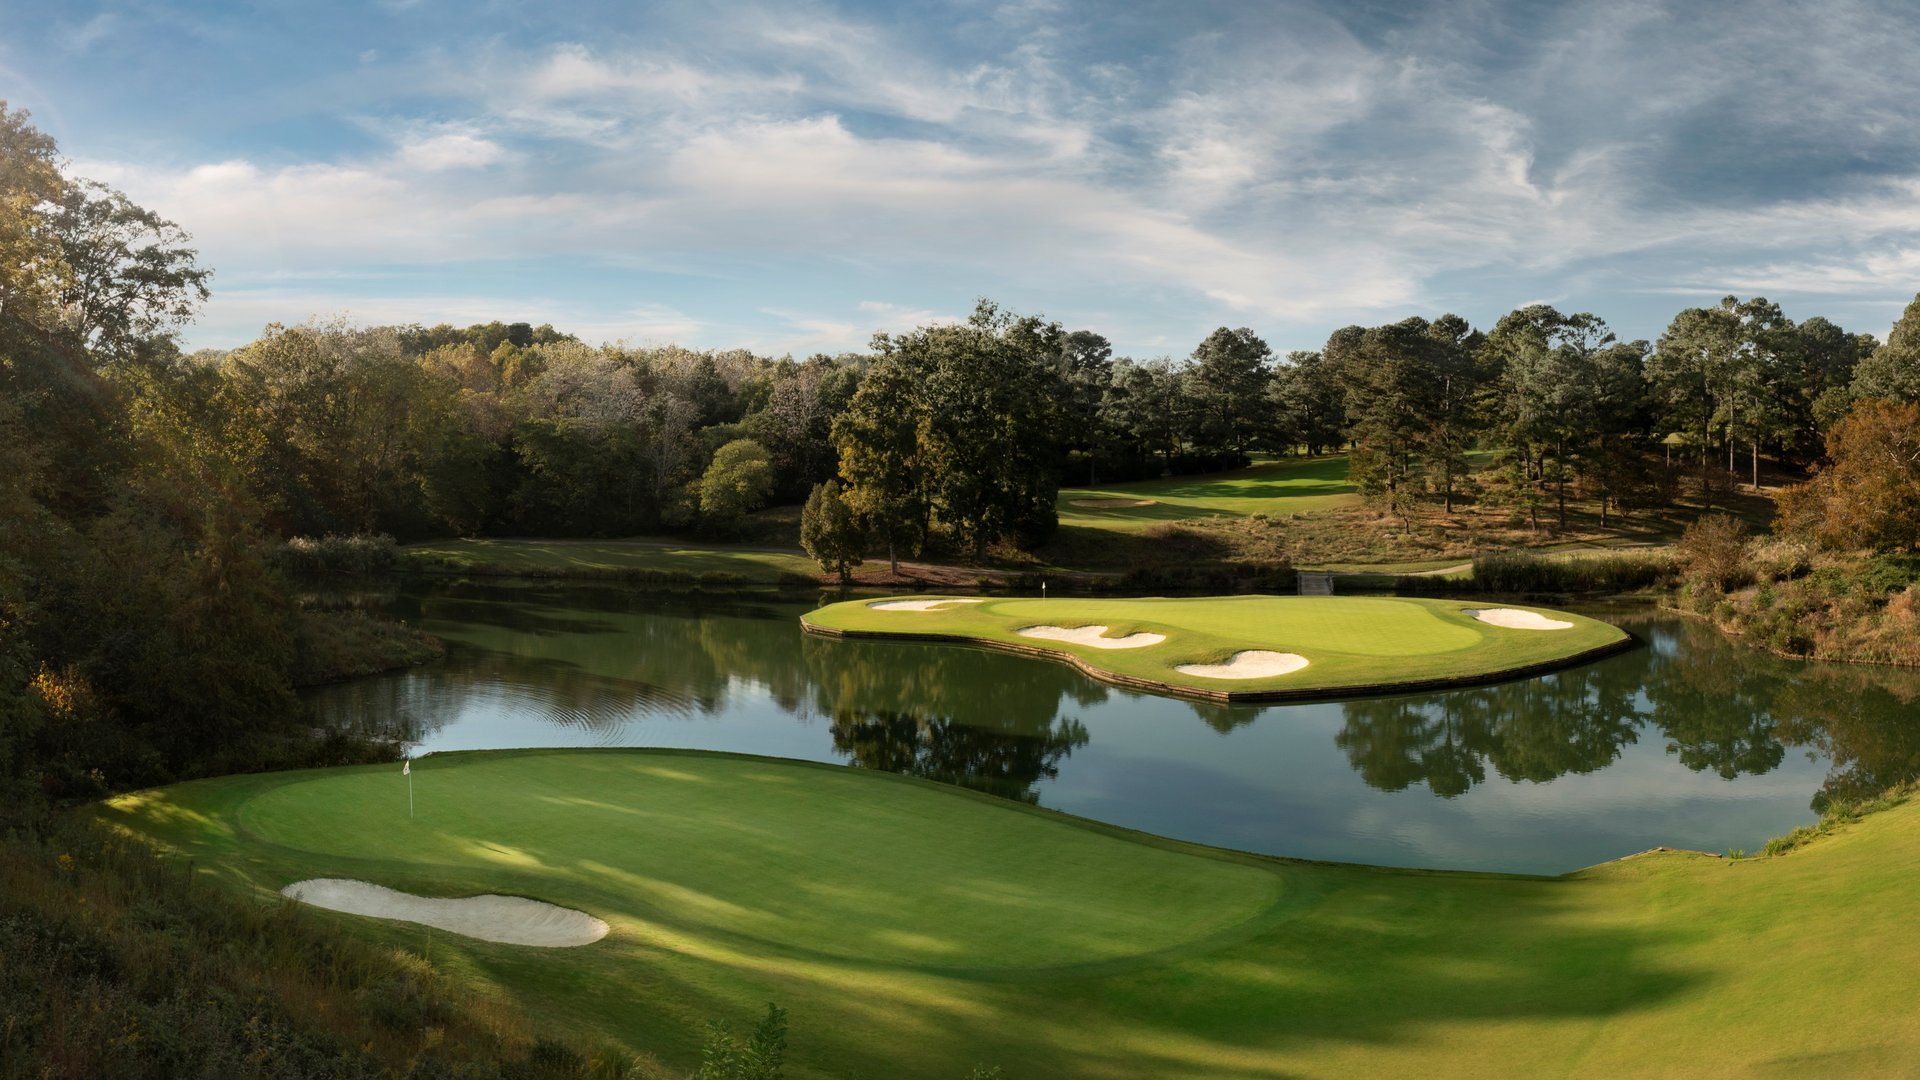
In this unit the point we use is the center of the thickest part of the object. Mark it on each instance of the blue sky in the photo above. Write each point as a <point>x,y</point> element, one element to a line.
<point>793,177</point>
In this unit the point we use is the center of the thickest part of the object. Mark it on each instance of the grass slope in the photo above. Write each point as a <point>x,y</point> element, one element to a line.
<point>613,558</point>
<point>1350,642</point>
<point>915,930</point>
<point>1294,485</point>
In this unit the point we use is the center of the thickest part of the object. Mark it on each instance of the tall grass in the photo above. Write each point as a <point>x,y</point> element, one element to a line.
<point>1523,574</point>
<point>119,963</point>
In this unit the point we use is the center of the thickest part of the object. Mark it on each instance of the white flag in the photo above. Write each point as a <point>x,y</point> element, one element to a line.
<point>407,769</point>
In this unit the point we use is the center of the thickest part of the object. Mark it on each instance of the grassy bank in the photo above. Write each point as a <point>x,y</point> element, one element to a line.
<point>114,963</point>
<point>1784,597</point>
<point>917,930</point>
<point>1348,642</point>
<point>632,560</point>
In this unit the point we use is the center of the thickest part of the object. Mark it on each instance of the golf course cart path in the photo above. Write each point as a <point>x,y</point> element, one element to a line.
<point>1248,664</point>
<point>511,920</point>
<point>1516,619</point>
<point>1091,636</point>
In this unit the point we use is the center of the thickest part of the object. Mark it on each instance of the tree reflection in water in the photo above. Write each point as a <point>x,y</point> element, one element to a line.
<point>1004,763</point>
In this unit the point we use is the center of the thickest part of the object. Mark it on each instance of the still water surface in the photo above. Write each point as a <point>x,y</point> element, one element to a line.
<point>1686,741</point>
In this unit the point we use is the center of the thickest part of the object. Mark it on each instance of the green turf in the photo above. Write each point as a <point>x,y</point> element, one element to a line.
<point>614,557</point>
<point>1290,486</point>
<point>1348,641</point>
<point>914,930</point>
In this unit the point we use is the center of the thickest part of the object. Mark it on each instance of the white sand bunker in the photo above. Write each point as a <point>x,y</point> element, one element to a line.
<point>936,604</point>
<point>514,920</point>
<point>1111,504</point>
<point>1091,635</point>
<point>1516,619</point>
<point>1248,664</point>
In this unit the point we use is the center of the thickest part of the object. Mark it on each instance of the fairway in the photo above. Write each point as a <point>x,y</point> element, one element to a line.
<point>1334,644</point>
<point>916,930</point>
<point>1288,486</point>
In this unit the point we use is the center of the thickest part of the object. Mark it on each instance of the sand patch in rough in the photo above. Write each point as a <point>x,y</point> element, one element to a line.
<point>1091,635</point>
<point>514,920</point>
<point>1110,504</point>
<point>921,605</point>
<point>1248,664</point>
<point>1516,619</point>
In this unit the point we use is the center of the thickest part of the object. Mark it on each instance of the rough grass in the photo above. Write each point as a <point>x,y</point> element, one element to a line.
<point>1303,512</point>
<point>859,902</point>
<point>1349,641</point>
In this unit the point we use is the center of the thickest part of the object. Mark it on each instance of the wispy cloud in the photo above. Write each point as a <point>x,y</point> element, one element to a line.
<point>83,37</point>
<point>1292,167</point>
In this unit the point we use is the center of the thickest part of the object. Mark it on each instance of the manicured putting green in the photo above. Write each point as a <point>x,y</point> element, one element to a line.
<point>865,889</point>
<point>1348,643</point>
<point>915,930</point>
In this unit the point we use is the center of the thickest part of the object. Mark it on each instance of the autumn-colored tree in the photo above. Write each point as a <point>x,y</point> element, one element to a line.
<point>1869,493</point>
<point>1713,551</point>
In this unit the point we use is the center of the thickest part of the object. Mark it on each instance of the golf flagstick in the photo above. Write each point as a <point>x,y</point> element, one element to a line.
<point>406,770</point>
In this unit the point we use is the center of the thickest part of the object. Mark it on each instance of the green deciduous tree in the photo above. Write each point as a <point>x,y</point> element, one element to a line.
<point>960,422</point>
<point>130,275</point>
<point>878,438</point>
<point>1892,371</point>
<point>830,531</point>
<point>738,480</point>
<point>33,269</point>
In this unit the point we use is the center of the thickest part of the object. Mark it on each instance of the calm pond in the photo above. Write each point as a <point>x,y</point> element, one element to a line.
<point>1685,741</point>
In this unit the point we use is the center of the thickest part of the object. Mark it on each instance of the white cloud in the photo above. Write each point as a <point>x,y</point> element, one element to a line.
<point>450,150</point>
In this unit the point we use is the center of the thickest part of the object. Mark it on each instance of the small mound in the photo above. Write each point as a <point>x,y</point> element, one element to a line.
<point>1091,635</point>
<point>512,920</point>
<point>934,604</point>
<point>1248,664</point>
<point>1110,504</point>
<point>1516,619</point>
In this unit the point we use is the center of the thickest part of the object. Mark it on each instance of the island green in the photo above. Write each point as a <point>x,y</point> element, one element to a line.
<point>1350,644</point>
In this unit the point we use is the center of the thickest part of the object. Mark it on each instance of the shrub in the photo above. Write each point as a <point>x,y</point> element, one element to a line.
<point>1522,573</point>
<point>357,554</point>
<point>1713,551</point>
<point>1779,559</point>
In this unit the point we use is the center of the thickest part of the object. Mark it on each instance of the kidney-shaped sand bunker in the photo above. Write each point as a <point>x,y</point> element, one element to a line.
<point>513,920</point>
